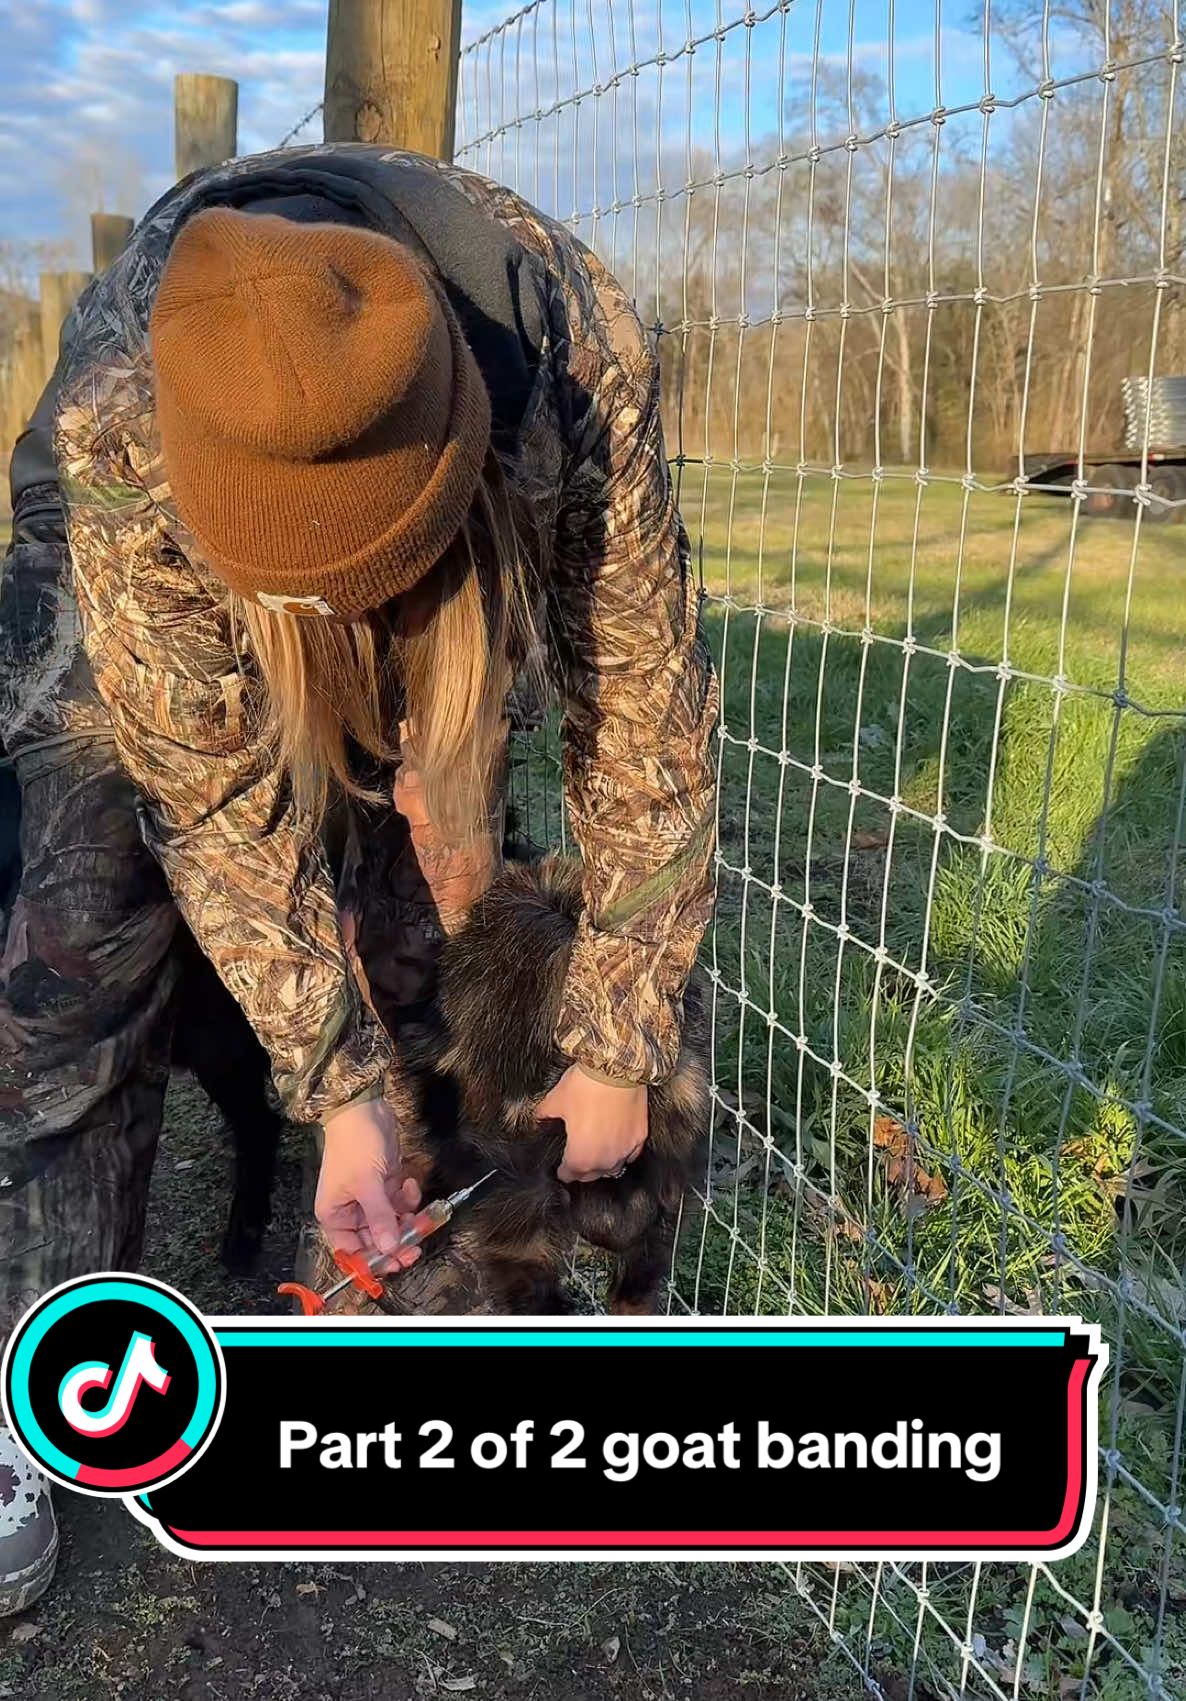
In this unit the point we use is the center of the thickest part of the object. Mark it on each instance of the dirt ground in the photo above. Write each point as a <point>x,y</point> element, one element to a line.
<point>124,1618</point>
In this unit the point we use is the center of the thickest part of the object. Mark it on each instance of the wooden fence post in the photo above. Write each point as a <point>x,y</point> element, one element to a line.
<point>109,238</point>
<point>205,121</point>
<point>24,378</point>
<point>391,73</point>
<point>59,292</point>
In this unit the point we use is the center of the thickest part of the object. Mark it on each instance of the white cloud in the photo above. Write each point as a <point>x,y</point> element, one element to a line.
<point>83,82</point>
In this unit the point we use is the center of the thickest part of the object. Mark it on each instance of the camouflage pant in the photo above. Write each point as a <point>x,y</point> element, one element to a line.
<point>86,983</point>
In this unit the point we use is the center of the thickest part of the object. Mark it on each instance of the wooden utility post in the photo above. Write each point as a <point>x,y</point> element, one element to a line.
<point>109,238</point>
<point>205,121</point>
<point>391,73</point>
<point>59,292</point>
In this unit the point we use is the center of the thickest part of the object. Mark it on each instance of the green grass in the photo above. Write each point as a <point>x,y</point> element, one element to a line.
<point>1090,787</point>
<point>1031,966</point>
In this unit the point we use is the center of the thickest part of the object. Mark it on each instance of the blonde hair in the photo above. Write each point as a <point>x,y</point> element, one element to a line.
<point>450,650</point>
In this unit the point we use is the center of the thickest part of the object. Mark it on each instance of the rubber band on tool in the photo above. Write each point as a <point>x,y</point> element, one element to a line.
<point>356,1265</point>
<point>312,1303</point>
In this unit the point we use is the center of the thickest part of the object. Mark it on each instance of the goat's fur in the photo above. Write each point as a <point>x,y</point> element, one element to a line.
<point>483,1059</point>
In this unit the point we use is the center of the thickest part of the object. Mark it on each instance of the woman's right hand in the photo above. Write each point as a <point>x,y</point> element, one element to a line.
<point>363,1202</point>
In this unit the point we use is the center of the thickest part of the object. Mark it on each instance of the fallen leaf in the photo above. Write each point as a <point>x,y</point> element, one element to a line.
<point>918,1187</point>
<point>442,1629</point>
<point>869,841</point>
<point>1000,1301</point>
<point>1163,1293</point>
<point>727,1176</point>
<point>850,1228</point>
<point>457,1683</point>
<point>1133,1406</point>
<point>611,1648</point>
<point>889,1132</point>
<point>185,1163</point>
<point>24,1632</point>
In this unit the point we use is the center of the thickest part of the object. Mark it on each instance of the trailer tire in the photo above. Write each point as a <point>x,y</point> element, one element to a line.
<point>1168,484</point>
<point>1108,488</point>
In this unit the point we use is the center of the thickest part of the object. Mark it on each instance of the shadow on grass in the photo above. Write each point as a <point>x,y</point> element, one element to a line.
<point>1027,1149</point>
<point>1054,982</point>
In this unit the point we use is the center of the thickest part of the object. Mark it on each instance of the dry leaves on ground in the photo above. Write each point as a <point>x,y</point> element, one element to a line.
<point>918,1188</point>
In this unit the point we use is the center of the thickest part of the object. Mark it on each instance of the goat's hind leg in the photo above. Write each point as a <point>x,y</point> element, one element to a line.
<point>636,1286</point>
<point>256,1140</point>
<point>523,1289</point>
<point>523,1271</point>
<point>255,1135</point>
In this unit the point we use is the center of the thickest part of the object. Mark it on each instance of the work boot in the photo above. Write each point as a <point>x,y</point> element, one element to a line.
<point>28,1529</point>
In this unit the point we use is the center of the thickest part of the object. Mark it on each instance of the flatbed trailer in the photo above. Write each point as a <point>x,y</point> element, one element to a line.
<point>1111,476</point>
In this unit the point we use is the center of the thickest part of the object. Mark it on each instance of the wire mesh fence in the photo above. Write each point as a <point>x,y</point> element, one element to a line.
<point>900,260</point>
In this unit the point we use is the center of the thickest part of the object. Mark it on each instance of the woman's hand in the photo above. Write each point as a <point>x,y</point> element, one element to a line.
<point>606,1125</point>
<point>363,1203</point>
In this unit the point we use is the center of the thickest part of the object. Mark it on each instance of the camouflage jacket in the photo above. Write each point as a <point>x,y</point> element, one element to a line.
<point>622,628</point>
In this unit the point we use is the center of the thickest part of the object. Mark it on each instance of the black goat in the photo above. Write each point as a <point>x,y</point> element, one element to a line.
<point>213,1039</point>
<point>480,1063</point>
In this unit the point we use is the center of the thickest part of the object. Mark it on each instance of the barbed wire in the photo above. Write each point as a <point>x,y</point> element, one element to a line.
<point>300,124</point>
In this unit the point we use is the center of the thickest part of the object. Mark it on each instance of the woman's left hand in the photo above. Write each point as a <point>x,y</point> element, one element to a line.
<point>606,1125</point>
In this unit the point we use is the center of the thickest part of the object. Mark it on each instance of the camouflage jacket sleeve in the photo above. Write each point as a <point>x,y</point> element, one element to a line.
<point>640,693</point>
<point>257,895</point>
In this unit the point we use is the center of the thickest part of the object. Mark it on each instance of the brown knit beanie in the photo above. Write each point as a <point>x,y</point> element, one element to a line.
<point>322,420</point>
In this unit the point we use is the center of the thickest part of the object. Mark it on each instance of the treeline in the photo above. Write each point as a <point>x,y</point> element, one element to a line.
<point>937,297</point>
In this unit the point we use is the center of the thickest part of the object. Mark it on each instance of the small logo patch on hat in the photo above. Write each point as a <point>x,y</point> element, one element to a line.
<point>294,605</point>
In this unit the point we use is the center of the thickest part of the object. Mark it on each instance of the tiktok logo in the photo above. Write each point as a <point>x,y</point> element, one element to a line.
<point>112,1383</point>
<point>139,1365</point>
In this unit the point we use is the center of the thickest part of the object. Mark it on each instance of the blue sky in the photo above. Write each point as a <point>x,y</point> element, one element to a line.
<point>86,85</point>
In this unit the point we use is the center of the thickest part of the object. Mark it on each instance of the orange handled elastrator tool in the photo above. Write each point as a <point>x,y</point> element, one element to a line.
<point>360,1270</point>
